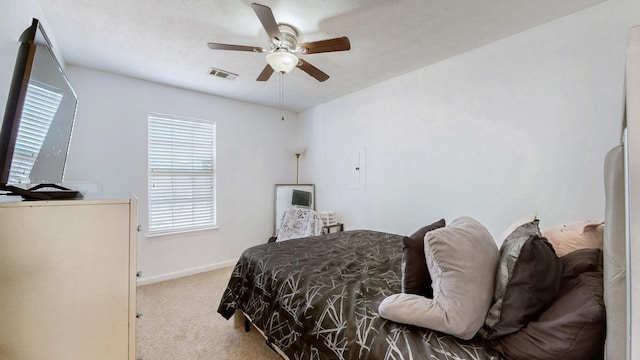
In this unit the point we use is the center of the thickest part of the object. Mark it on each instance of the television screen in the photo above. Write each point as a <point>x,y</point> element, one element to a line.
<point>301,198</point>
<point>39,116</point>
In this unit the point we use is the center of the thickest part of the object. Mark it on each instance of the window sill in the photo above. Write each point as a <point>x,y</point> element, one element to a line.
<point>179,233</point>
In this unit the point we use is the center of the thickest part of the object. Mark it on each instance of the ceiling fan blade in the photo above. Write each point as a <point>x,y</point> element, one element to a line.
<point>312,70</point>
<point>268,21</point>
<point>265,74</point>
<point>216,46</point>
<point>329,45</point>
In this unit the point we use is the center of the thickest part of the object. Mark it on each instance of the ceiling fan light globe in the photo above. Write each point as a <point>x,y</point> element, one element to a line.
<point>282,61</point>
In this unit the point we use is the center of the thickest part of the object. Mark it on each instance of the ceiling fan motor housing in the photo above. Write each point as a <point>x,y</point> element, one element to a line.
<point>289,41</point>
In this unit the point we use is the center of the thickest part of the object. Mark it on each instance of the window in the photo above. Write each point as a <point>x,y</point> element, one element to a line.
<point>181,174</point>
<point>40,107</point>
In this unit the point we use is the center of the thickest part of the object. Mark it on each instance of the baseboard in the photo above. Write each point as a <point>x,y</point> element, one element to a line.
<point>178,274</point>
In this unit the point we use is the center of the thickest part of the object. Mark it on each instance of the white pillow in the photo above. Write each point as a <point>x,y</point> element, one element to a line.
<point>516,224</point>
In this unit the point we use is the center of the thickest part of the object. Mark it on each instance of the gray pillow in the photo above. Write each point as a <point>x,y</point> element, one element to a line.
<point>527,281</point>
<point>462,260</point>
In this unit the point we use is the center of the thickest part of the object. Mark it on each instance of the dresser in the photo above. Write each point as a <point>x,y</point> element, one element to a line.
<point>68,278</point>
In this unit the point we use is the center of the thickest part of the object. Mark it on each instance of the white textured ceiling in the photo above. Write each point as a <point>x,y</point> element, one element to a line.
<point>166,40</point>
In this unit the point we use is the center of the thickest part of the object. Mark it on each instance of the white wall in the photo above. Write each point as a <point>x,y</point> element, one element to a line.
<point>515,127</point>
<point>110,145</point>
<point>633,174</point>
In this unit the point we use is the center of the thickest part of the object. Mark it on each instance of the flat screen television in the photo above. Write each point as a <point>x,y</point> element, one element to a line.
<point>38,122</point>
<point>301,198</point>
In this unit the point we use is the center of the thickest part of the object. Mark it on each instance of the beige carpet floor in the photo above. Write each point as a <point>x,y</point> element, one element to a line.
<point>180,322</point>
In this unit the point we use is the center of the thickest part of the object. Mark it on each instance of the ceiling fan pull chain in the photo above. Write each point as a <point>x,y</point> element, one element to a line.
<point>282,95</point>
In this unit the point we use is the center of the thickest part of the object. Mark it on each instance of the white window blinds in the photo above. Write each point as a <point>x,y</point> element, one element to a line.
<point>181,174</point>
<point>40,107</point>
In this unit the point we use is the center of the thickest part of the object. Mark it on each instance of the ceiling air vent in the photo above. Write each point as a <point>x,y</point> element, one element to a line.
<point>223,74</point>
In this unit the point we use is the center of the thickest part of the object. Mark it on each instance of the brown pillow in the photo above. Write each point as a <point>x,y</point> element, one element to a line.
<point>415,275</point>
<point>528,280</point>
<point>580,261</point>
<point>573,327</point>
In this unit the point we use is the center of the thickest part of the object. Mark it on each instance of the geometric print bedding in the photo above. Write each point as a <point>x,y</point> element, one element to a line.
<point>318,298</point>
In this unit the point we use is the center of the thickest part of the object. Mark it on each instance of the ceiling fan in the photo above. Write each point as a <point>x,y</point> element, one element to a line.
<point>283,43</point>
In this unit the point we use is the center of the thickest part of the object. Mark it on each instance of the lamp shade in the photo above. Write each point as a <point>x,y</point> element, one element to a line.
<point>299,149</point>
<point>282,61</point>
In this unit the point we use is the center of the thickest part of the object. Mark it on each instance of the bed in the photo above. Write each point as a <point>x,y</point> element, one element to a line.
<point>321,300</point>
<point>321,297</point>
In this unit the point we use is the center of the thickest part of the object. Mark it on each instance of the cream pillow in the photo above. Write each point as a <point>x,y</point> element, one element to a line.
<point>577,235</point>
<point>462,260</point>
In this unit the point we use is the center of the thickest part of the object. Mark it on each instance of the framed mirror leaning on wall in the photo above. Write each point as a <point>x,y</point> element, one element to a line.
<point>288,195</point>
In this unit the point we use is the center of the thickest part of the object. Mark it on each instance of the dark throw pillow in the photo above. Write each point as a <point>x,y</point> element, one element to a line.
<point>528,281</point>
<point>415,275</point>
<point>573,327</point>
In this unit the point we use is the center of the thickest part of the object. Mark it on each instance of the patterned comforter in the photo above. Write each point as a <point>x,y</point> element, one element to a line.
<point>318,297</point>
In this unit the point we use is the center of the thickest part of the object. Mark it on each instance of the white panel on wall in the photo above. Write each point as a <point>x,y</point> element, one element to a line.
<point>355,169</point>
